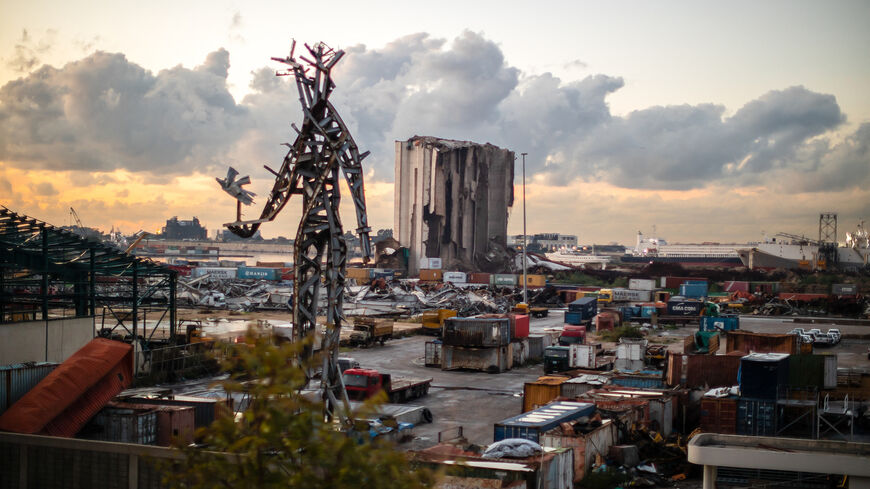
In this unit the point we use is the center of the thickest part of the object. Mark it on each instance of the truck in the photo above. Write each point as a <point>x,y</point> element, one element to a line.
<point>572,334</point>
<point>362,383</point>
<point>536,312</point>
<point>368,331</point>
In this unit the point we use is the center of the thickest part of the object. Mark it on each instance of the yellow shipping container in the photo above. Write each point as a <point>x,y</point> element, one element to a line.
<point>541,391</point>
<point>536,281</point>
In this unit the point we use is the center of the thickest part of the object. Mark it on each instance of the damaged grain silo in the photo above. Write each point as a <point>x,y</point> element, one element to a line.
<point>451,202</point>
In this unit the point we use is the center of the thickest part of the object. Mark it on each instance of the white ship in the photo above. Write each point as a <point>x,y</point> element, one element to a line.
<point>805,253</point>
<point>653,249</point>
<point>575,258</point>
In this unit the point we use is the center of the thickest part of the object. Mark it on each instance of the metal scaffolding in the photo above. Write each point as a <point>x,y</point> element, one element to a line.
<point>49,273</point>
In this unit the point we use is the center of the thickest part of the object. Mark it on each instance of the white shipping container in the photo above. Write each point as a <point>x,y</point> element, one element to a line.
<point>430,263</point>
<point>455,277</point>
<point>631,350</point>
<point>641,284</point>
<point>628,295</point>
<point>582,356</point>
<point>215,272</point>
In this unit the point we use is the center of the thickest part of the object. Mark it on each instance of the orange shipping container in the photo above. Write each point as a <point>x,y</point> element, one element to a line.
<point>746,342</point>
<point>430,275</point>
<point>536,281</point>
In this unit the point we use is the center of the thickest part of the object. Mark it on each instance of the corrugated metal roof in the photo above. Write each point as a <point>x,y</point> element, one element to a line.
<point>551,412</point>
<point>69,396</point>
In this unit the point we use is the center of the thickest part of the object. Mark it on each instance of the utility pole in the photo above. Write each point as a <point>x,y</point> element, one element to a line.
<point>525,238</point>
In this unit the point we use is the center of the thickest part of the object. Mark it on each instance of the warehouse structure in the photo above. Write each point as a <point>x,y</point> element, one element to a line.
<point>58,290</point>
<point>451,202</point>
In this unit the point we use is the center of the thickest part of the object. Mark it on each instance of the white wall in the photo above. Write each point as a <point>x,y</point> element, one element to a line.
<point>25,341</point>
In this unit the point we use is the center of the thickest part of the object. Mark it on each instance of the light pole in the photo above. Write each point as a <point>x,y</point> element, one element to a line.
<point>525,281</point>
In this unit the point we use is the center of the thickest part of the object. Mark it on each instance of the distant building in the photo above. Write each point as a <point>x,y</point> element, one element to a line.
<point>192,230</point>
<point>451,202</point>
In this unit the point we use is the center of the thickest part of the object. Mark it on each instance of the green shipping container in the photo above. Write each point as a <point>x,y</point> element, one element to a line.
<point>806,371</point>
<point>503,279</point>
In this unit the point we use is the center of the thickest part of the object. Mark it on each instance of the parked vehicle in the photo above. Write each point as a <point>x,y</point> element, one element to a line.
<point>835,333</point>
<point>823,339</point>
<point>805,338</point>
<point>362,384</point>
<point>345,363</point>
<point>556,359</point>
<point>797,331</point>
<point>367,331</point>
<point>572,334</point>
<point>814,331</point>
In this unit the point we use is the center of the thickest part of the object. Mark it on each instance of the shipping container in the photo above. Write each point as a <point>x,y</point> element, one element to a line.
<point>641,284</point>
<point>123,423</point>
<point>719,323</point>
<point>582,384</point>
<point>492,360</point>
<point>361,275</point>
<point>606,321</point>
<point>478,278</point>
<point>430,275</point>
<point>215,272</point>
<point>662,296</point>
<point>541,391</point>
<point>761,374</point>
<point>585,445</point>
<point>503,280</point>
<point>684,308</point>
<point>844,289</point>
<point>454,277</point>
<point>735,286</point>
<point>206,410</point>
<point>533,424</point>
<point>534,280</point>
<point>383,273</point>
<point>647,310</point>
<point>830,381</point>
<point>430,263</point>
<point>675,282</point>
<point>806,371</point>
<point>575,318</point>
<point>520,351</point>
<point>629,312</point>
<point>629,295</point>
<point>747,341</point>
<point>476,332</point>
<point>258,273</point>
<point>693,291</point>
<point>519,326</point>
<point>766,288</point>
<point>756,417</point>
<point>639,381</point>
<point>433,354</point>
<point>661,414</point>
<point>537,343</point>
<point>175,423</point>
<point>586,306</point>
<point>582,356</point>
<point>719,415</point>
<point>16,380</point>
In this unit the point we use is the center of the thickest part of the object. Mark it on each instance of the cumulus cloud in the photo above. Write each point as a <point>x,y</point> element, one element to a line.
<point>43,189</point>
<point>104,112</point>
<point>28,51</point>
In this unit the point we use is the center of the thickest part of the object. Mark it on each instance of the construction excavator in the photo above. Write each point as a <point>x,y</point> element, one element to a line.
<point>322,153</point>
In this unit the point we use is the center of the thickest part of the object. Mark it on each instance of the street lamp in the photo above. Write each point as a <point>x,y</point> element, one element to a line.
<point>525,238</point>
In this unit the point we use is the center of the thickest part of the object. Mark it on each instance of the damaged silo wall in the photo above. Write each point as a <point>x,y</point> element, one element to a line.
<point>452,202</point>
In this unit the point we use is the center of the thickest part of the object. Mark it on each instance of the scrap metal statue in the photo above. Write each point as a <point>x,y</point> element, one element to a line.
<point>323,152</point>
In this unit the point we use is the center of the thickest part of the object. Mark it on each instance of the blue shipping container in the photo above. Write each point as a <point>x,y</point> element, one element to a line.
<point>639,382</point>
<point>575,318</point>
<point>647,311</point>
<point>586,306</point>
<point>756,417</point>
<point>720,323</point>
<point>532,424</point>
<point>259,273</point>
<point>693,291</point>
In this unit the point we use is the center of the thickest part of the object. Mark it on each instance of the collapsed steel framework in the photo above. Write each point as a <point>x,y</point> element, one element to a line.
<point>323,151</point>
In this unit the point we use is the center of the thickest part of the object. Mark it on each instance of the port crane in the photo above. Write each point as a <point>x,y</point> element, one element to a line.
<point>323,152</point>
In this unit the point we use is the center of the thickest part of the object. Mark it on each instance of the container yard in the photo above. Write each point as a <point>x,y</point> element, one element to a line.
<point>416,338</point>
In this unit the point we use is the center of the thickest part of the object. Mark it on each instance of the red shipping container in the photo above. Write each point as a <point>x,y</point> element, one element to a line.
<point>675,282</point>
<point>519,326</point>
<point>175,422</point>
<point>719,415</point>
<point>183,270</point>
<point>605,321</point>
<point>735,286</point>
<point>478,278</point>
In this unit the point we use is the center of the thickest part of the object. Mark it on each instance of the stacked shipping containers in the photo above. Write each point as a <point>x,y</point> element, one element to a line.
<point>477,343</point>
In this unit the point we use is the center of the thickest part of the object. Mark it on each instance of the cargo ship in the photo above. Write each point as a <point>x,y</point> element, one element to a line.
<point>576,258</point>
<point>657,250</point>
<point>804,253</point>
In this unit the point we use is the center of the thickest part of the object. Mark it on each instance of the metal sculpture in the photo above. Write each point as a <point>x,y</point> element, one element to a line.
<point>323,151</point>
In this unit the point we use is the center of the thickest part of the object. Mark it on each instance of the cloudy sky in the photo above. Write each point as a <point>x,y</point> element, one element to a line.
<point>712,121</point>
